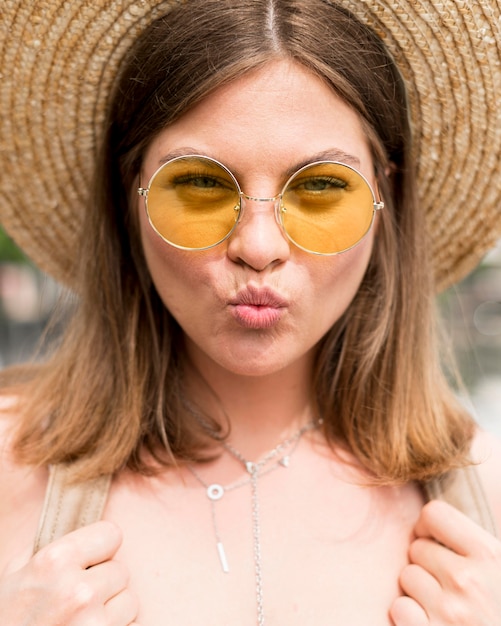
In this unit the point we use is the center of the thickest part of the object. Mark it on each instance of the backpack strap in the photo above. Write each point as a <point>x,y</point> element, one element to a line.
<point>69,505</point>
<point>463,489</point>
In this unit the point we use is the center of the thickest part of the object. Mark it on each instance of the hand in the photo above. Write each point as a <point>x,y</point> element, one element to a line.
<point>454,574</point>
<point>73,581</point>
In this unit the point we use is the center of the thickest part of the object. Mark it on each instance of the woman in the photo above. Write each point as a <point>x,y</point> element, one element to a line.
<point>252,354</point>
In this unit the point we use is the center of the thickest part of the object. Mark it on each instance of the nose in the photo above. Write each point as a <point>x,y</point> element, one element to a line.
<point>258,240</point>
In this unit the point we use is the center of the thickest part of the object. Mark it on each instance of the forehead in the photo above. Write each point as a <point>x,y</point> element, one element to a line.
<point>268,119</point>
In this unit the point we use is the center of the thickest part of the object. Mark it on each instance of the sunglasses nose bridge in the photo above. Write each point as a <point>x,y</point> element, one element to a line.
<point>276,201</point>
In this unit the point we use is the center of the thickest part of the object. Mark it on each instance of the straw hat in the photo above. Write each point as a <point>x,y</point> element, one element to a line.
<point>58,59</point>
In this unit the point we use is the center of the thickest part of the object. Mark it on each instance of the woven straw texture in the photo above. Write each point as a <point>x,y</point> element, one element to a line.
<point>59,57</point>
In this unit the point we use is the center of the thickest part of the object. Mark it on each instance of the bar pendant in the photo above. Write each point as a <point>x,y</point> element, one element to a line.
<point>222,557</point>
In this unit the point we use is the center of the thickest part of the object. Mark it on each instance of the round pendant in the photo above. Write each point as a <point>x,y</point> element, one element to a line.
<point>215,491</point>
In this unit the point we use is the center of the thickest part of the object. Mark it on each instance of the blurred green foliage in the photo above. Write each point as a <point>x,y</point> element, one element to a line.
<point>9,252</point>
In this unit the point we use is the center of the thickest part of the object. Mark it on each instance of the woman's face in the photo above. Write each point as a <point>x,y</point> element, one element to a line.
<point>256,304</point>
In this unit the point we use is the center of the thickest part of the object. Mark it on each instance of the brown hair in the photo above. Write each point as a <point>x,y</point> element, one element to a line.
<point>114,387</point>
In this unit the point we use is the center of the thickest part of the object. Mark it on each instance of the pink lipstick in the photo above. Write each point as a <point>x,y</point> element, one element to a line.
<point>258,308</point>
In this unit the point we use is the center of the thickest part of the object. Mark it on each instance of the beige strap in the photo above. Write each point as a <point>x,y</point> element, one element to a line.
<point>463,489</point>
<point>69,505</point>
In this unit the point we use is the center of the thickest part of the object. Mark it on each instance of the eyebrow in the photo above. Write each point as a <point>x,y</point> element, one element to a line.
<point>180,152</point>
<point>327,155</point>
<point>332,154</point>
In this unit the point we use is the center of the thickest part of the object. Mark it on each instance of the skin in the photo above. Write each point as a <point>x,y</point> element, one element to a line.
<point>197,286</point>
<point>334,549</point>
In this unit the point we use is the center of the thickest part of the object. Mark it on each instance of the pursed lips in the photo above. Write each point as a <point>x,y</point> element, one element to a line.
<point>258,307</point>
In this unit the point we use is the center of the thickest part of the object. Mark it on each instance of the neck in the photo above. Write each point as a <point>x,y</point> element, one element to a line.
<point>261,411</point>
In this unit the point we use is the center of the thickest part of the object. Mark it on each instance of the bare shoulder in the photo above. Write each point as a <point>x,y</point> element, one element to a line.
<point>15,478</point>
<point>486,451</point>
<point>8,422</point>
<point>22,490</point>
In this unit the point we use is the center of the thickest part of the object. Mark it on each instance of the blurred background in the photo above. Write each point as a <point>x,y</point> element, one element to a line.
<point>471,312</point>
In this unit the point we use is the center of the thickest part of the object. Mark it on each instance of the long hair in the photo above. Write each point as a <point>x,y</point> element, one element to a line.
<point>114,388</point>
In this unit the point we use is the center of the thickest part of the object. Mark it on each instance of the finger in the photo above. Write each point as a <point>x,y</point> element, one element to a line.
<point>422,587</point>
<point>122,609</point>
<point>83,548</point>
<point>436,559</point>
<point>442,522</point>
<point>107,579</point>
<point>96,543</point>
<point>407,612</point>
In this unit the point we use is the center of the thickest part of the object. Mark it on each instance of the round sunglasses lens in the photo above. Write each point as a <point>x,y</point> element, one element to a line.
<point>193,202</point>
<point>327,208</point>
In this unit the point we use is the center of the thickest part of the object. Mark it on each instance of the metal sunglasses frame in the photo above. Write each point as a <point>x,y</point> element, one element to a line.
<point>279,208</point>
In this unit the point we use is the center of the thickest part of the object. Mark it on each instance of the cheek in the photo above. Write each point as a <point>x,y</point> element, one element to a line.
<point>157,253</point>
<point>184,280</point>
<point>162,258</point>
<point>336,281</point>
<point>168,266</point>
<point>345,271</point>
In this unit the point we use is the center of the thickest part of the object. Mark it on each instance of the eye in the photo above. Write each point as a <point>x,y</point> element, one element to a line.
<point>200,181</point>
<point>321,183</point>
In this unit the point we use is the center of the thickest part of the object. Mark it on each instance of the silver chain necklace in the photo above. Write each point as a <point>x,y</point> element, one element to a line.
<point>256,470</point>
